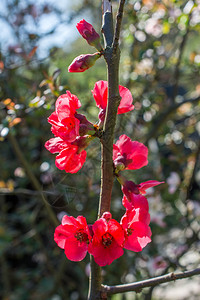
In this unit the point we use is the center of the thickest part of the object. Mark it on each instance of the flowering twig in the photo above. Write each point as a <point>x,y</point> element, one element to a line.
<point>137,286</point>
<point>118,24</point>
<point>112,59</point>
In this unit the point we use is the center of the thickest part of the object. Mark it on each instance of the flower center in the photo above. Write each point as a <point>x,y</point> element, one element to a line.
<point>107,239</point>
<point>69,123</point>
<point>129,231</point>
<point>81,236</point>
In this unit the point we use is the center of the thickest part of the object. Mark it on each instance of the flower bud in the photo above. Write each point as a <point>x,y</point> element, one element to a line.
<point>129,188</point>
<point>82,142</point>
<point>89,34</point>
<point>107,216</point>
<point>85,127</point>
<point>83,62</point>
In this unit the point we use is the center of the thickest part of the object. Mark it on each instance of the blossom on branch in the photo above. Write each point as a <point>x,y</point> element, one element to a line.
<point>73,236</point>
<point>143,186</point>
<point>137,232</point>
<point>107,240</point>
<point>64,122</point>
<point>72,134</point>
<point>70,158</point>
<point>83,62</point>
<point>89,34</point>
<point>56,145</point>
<point>129,155</point>
<point>133,193</point>
<point>135,201</point>
<point>100,94</point>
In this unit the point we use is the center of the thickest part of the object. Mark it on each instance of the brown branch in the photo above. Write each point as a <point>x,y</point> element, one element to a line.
<point>112,57</point>
<point>137,286</point>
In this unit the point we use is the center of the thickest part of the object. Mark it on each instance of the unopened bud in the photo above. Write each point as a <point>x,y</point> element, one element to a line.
<point>83,62</point>
<point>107,215</point>
<point>89,34</point>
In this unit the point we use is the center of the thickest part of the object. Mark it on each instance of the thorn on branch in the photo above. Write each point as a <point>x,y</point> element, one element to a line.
<point>173,276</point>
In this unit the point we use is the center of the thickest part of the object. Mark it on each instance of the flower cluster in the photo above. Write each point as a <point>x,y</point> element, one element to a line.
<point>73,132</point>
<point>106,238</point>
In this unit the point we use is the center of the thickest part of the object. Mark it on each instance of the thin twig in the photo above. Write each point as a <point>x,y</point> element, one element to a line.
<point>118,25</point>
<point>32,177</point>
<point>159,120</point>
<point>177,67</point>
<point>193,173</point>
<point>137,286</point>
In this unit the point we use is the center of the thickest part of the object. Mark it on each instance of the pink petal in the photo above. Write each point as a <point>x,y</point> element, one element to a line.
<point>100,93</point>
<point>75,250</point>
<point>76,162</point>
<point>99,228</point>
<point>69,160</point>
<point>124,144</point>
<point>135,153</point>
<point>63,233</point>
<point>55,145</point>
<point>115,229</point>
<point>66,105</point>
<point>65,157</point>
<point>139,238</point>
<point>148,184</point>
<point>53,119</point>
<point>115,151</point>
<point>138,201</point>
<point>126,101</point>
<point>69,220</point>
<point>105,255</point>
<point>138,153</point>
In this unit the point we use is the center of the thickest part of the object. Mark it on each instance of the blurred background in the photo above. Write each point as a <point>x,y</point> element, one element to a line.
<point>160,64</point>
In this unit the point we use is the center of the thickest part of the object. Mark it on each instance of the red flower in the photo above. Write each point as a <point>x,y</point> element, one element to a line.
<point>89,34</point>
<point>71,156</point>
<point>129,154</point>
<point>137,232</point>
<point>67,128</point>
<point>73,236</point>
<point>63,120</point>
<point>100,94</point>
<point>107,241</point>
<point>66,105</point>
<point>132,193</point>
<point>83,62</point>
<point>56,145</point>
<point>135,201</point>
<point>71,159</point>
